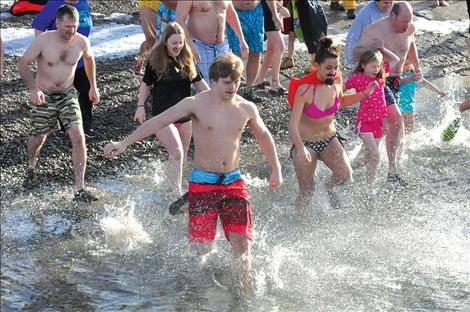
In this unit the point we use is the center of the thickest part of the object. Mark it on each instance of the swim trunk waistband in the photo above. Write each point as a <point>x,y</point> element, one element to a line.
<point>200,176</point>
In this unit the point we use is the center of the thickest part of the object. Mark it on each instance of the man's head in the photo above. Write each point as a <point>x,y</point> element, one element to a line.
<point>401,16</point>
<point>67,21</point>
<point>384,5</point>
<point>225,73</point>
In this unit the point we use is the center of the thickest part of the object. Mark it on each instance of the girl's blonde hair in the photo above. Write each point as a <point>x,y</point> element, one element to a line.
<point>370,56</point>
<point>159,59</point>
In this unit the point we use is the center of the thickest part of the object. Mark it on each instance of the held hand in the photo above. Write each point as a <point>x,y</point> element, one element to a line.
<point>417,76</point>
<point>284,12</point>
<point>139,115</point>
<point>113,149</point>
<point>275,180</point>
<point>370,88</point>
<point>94,95</point>
<point>37,97</point>
<point>377,44</point>
<point>244,48</point>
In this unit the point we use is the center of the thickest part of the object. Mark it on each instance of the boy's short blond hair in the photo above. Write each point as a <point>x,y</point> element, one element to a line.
<point>225,66</point>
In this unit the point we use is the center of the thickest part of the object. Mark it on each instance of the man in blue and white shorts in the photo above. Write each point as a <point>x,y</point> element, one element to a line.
<point>204,25</point>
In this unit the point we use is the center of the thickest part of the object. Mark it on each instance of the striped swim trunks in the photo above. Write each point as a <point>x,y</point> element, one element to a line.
<point>45,118</point>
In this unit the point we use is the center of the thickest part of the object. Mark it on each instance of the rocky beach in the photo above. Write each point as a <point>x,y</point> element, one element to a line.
<point>441,54</point>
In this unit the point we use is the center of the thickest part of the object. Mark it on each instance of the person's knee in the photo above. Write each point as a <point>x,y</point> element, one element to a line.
<point>240,243</point>
<point>76,136</point>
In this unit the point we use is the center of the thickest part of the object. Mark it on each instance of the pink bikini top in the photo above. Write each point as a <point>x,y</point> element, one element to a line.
<point>314,112</point>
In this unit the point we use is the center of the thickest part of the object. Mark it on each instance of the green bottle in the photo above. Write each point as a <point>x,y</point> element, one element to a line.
<point>449,133</point>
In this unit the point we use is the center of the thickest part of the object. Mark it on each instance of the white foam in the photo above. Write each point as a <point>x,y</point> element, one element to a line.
<point>440,27</point>
<point>108,41</point>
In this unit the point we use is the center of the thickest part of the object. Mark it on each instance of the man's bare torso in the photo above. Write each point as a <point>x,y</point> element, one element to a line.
<point>398,43</point>
<point>217,130</point>
<point>246,5</point>
<point>207,21</point>
<point>57,62</point>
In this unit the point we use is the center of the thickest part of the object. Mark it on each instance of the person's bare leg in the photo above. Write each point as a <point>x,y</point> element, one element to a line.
<point>277,49</point>
<point>241,261</point>
<point>170,139</point>
<point>266,61</point>
<point>252,68</point>
<point>291,45</point>
<point>335,158</point>
<point>394,129</point>
<point>77,137</point>
<point>371,155</point>
<point>148,20</point>
<point>34,145</point>
<point>305,173</point>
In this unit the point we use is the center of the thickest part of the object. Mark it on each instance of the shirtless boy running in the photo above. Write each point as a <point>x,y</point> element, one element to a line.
<point>56,54</point>
<point>215,185</point>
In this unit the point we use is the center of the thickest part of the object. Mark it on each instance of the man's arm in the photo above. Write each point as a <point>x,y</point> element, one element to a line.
<point>30,55</point>
<point>180,110</point>
<point>413,56</point>
<point>234,22</point>
<point>366,43</point>
<point>266,144</point>
<point>90,70</point>
<point>182,11</point>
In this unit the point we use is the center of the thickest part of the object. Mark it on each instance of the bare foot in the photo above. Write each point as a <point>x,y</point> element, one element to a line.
<point>443,3</point>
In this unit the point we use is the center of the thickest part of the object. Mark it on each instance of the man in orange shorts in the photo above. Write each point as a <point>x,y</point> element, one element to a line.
<point>216,189</point>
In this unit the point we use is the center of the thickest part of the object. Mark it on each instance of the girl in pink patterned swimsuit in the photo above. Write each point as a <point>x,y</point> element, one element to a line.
<point>369,122</point>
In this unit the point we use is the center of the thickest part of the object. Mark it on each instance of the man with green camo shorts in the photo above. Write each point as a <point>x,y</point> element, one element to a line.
<point>56,54</point>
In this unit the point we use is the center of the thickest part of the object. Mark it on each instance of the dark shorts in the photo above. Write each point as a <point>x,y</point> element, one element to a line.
<point>63,106</point>
<point>392,90</point>
<point>208,201</point>
<point>268,18</point>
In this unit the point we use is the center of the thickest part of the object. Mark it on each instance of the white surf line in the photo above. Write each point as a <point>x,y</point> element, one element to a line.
<point>116,40</point>
<point>108,41</point>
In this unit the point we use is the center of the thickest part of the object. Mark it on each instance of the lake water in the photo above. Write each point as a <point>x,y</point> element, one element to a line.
<point>386,249</point>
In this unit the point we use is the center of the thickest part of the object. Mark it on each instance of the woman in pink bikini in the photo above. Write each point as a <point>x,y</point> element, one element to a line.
<point>312,129</point>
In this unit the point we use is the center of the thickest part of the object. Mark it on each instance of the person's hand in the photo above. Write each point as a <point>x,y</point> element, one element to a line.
<point>303,155</point>
<point>444,93</point>
<point>113,149</point>
<point>196,55</point>
<point>37,97</point>
<point>370,88</point>
<point>377,44</point>
<point>417,76</point>
<point>139,115</point>
<point>284,12</point>
<point>94,95</point>
<point>275,180</point>
<point>244,48</point>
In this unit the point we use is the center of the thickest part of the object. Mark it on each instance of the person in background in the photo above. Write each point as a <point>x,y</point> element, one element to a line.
<point>165,15</point>
<point>45,21</point>
<point>204,24</point>
<point>370,13</point>
<point>53,96</point>
<point>349,6</point>
<point>288,61</point>
<point>148,17</point>
<point>169,73</point>
<point>250,14</point>
<point>273,13</point>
